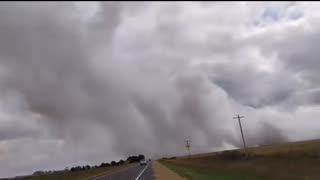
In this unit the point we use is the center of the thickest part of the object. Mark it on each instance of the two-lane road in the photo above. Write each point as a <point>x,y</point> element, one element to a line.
<point>130,173</point>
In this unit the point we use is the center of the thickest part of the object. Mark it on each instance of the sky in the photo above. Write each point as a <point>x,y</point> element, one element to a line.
<point>91,82</point>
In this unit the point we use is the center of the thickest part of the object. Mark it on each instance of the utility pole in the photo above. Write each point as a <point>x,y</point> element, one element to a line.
<point>188,145</point>
<point>244,142</point>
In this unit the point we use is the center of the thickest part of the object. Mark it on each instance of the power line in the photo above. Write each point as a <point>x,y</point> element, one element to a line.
<point>244,142</point>
<point>188,145</point>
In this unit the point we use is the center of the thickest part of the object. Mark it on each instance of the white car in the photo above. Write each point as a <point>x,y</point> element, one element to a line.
<point>143,162</point>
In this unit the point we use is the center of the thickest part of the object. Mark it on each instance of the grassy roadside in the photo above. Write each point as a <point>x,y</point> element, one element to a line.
<point>198,174</point>
<point>292,161</point>
<point>79,175</point>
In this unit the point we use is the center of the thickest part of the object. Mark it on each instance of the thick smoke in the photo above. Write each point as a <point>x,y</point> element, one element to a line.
<point>66,71</point>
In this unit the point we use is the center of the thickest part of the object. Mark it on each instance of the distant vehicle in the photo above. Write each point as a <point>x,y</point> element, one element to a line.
<point>143,162</point>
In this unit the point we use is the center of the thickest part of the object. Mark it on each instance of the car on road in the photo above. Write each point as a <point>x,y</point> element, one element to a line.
<point>143,162</point>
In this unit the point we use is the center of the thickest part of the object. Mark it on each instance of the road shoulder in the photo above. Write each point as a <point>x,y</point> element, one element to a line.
<point>161,172</point>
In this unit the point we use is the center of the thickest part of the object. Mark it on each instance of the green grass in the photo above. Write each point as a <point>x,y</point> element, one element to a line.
<point>290,161</point>
<point>78,175</point>
<point>193,174</point>
<point>310,146</point>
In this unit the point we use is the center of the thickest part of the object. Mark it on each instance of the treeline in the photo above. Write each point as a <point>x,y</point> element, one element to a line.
<point>133,159</point>
<point>130,159</point>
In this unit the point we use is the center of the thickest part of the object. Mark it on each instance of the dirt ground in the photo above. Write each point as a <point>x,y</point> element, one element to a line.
<point>163,173</point>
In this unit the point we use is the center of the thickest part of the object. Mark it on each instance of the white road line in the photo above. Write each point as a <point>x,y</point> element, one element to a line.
<point>143,171</point>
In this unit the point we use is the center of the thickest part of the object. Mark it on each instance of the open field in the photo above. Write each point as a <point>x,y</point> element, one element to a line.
<point>79,175</point>
<point>291,161</point>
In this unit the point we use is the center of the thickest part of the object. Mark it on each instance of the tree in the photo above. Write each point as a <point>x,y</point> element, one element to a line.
<point>113,163</point>
<point>104,165</point>
<point>101,165</point>
<point>77,168</point>
<point>121,161</point>
<point>133,159</point>
<point>141,157</point>
<point>38,173</point>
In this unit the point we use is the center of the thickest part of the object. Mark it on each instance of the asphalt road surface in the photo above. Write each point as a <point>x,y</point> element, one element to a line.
<point>131,173</point>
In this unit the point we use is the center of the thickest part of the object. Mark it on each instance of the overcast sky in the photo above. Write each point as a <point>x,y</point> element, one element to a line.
<point>86,83</point>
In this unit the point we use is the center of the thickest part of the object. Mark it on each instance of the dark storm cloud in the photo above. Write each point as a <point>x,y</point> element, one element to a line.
<point>267,134</point>
<point>298,51</point>
<point>16,131</point>
<point>297,56</point>
<point>251,86</point>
